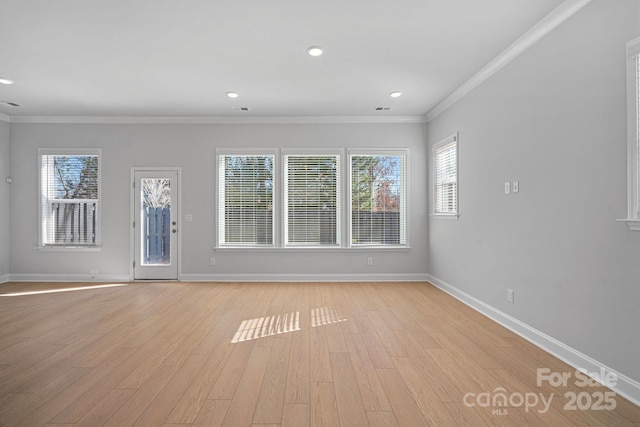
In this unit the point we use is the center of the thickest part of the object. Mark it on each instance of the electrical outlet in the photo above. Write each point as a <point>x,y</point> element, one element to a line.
<point>515,186</point>
<point>510,295</point>
<point>93,273</point>
<point>369,261</point>
<point>212,261</point>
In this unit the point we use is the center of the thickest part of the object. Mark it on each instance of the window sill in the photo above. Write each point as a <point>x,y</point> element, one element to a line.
<point>633,224</point>
<point>69,248</point>
<point>328,249</point>
<point>444,216</point>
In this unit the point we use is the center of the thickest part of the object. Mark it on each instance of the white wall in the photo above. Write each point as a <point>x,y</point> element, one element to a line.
<point>192,147</point>
<point>5,171</point>
<point>555,120</point>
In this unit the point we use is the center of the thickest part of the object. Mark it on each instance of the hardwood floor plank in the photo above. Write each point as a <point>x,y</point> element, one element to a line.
<point>465,416</point>
<point>387,337</point>
<point>230,375</point>
<point>135,406</point>
<point>404,407</point>
<point>319,361</point>
<point>295,415</point>
<point>324,409</point>
<point>427,400</point>
<point>381,419</point>
<point>376,349</point>
<point>193,399</point>
<point>297,387</point>
<point>272,393</point>
<point>157,412</point>
<point>351,411</point>
<point>104,409</point>
<point>212,413</point>
<point>371,391</point>
<point>439,381</point>
<point>243,404</point>
<point>166,354</point>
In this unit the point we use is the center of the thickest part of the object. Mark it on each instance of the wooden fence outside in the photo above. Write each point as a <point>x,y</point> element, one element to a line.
<point>157,235</point>
<point>74,223</point>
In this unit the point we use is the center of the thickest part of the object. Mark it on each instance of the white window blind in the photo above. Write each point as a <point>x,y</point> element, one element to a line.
<point>637,133</point>
<point>69,198</point>
<point>445,156</point>
<point>633,135</point>
<point>378,199</point>
<point>245,190</point>
<point>312,200</point>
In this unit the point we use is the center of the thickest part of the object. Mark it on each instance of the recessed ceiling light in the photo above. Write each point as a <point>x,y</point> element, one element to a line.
<point>232,94</point>
<point>6,81</point>
<point>395,94</point>
<point>315,51</point>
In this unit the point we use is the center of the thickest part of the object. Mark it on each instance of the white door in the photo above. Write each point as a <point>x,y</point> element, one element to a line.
<point>155,224</point>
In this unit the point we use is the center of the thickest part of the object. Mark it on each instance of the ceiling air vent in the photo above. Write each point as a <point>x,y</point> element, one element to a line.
<point>240,108</point>
<point>13,104</point>
<point>382,108</point>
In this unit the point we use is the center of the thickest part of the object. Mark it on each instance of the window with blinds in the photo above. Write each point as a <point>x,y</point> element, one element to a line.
<point>633,135</point>
<point>245,192</point>
<point>445,165</point>
<point>637,131</point>
<point>312,200</point>
<point>69,198</point>
<point>378,198</point>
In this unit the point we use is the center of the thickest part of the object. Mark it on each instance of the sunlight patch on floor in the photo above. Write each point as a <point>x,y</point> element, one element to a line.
<point>52,291</point>
<point>325,316</point>
<point>267,326</point>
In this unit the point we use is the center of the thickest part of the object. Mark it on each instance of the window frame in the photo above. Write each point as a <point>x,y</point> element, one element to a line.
<point>434,167</point>
<point>275,197</point>
<point>42,200</point>
<point>633,135</point>
<point>405,198</point>
<point>283,220</point>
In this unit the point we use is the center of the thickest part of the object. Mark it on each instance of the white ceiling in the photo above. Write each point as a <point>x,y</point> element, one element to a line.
<point>177,58</point>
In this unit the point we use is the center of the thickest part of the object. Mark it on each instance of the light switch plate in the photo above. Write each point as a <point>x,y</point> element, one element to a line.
<point>507,188</point>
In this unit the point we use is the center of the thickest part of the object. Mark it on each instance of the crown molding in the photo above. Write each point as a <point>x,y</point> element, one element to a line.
<point>216,119</point>
<point>4,118</point>
<point>556,17</point>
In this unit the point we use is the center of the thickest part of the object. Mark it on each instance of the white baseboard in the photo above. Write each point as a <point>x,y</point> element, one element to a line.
<point>417,277</point>
<point>68,278</point>
<point>4,278</point>
<point>625,386</point>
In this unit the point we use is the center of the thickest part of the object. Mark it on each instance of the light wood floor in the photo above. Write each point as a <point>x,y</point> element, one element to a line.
<point>273,354</point>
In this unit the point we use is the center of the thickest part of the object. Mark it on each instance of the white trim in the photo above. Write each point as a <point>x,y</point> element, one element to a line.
<point>133,213</point>
<point>27,277</point>
<point>633,224</point>
<point>405,277</point>
<point>215,119</point>
<point>77,152</point>
<point>5,118</point>
<point>444,216</point>
<point>625,386</point>
<point>436,146</point>
<point>557,16</point>
<point>4,278</point>
<point>400,151</point>
<point>276,202</point>
<point>633,136</point>
<point>339,154</point>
